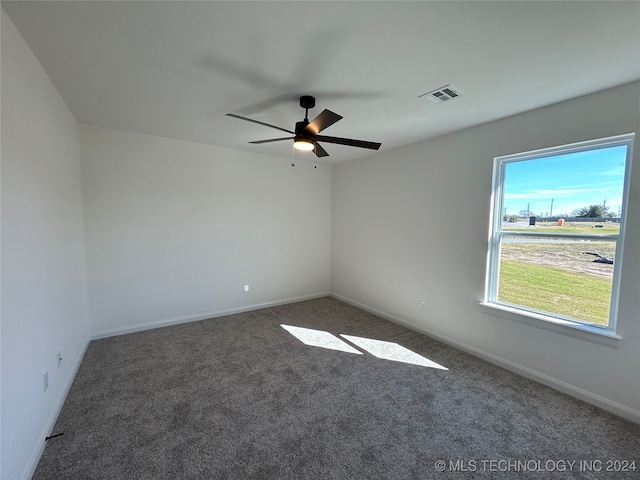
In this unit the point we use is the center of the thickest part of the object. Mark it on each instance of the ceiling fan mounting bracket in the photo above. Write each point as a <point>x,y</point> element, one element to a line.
<point>307,101</point>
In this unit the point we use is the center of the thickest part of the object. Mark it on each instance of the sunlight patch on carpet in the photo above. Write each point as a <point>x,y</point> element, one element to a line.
<point>378,348</point>
<point>320,338</point>
<point>392,351</point>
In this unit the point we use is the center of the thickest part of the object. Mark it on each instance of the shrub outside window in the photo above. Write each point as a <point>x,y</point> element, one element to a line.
<point>557,231</point>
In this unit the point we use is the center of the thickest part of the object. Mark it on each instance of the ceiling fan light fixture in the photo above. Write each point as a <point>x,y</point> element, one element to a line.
<point>301,143</point>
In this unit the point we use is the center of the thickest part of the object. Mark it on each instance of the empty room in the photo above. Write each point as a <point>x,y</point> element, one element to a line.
<point>320,240</point>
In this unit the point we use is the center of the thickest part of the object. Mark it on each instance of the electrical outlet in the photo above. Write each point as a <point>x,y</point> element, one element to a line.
<point>59,358</point>
<point>246,288</point>
<point>422,305</point>
<point>45,380</point>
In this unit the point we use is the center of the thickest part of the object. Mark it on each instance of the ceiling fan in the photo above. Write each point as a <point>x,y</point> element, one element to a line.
<point>306,135</point>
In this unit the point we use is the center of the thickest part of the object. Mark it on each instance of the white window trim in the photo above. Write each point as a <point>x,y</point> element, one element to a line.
<point>496,232</point>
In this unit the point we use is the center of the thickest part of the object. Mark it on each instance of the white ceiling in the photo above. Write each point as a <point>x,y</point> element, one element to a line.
<point>174,69</point>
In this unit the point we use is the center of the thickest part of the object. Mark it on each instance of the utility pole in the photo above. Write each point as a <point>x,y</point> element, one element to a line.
<point>551,214</point>
<point>528,211</point>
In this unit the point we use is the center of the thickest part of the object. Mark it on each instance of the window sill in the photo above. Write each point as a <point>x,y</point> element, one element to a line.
<point>577,330</point>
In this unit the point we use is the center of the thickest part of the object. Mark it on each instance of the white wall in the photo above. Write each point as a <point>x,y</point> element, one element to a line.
<point>44,306</point>
<point>175,229</point>
<point>412,224</point>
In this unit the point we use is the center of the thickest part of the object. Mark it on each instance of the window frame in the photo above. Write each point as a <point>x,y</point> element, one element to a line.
<point>497,233</point>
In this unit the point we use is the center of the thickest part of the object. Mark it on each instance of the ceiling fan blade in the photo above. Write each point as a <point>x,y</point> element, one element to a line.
<point>348,141</point>
<point>272,140</point>
<point>322,121</point>
<point>259,122</point>
<point>319,151</point>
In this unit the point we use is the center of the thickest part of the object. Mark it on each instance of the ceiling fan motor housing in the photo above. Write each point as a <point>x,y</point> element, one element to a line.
<point>300,126</point>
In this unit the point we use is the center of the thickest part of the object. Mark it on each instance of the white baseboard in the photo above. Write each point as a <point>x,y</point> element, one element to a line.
<point>579,393</point>
<point>201,316</point>
<point>34,459</point>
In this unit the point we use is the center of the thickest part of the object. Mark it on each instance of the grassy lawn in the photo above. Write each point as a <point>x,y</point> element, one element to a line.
<point>573,294</point>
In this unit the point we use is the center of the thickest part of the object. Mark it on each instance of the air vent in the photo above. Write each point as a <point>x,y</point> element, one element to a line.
<point>448,92</point>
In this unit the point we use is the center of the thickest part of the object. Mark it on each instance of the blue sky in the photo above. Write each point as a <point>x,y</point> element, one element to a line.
<point>572,180</point>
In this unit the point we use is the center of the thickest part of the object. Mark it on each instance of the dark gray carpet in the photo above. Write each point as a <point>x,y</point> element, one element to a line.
<point>238,397</point>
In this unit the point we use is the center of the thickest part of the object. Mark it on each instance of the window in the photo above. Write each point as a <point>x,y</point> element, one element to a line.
<point>557,233</point>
